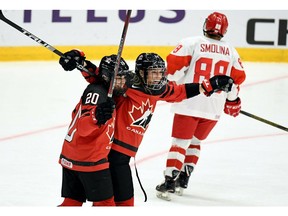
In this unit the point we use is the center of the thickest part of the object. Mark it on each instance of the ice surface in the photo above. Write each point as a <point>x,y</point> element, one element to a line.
<point>243,163</point>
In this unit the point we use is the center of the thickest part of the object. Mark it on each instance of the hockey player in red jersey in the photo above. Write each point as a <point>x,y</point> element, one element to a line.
<point>195,59</point>
<point>135,108</point>
<point>84,155</point>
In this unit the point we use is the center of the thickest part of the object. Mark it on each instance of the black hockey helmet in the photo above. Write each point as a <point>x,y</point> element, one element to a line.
<point>106,71</point>
<point>107,66</point>
<point>150,61</point>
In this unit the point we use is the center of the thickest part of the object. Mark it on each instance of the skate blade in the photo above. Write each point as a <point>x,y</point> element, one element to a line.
<point>163,195</point>
<point>179,191</point>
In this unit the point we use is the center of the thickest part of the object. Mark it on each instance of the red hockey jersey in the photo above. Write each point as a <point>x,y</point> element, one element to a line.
<point>87,145</point>
<point>134,113</point>
<point>136,108</point>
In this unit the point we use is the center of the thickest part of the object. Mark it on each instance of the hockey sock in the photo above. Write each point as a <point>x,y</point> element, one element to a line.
<point>70,202</point>
<point>129,202</point>
<point>108,202</point>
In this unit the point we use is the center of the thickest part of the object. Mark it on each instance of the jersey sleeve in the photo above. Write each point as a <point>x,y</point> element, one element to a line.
<point>174,92</point>
<point>179,60</point>
<point>237,70</point>
<point>93,69</point>
<point>238,75</point>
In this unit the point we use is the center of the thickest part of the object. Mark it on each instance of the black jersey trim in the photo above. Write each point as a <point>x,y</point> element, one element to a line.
<point>81,163</point>
<point>125,145</point>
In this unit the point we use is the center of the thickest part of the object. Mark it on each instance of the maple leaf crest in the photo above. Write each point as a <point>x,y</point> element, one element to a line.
<point>141,116</point>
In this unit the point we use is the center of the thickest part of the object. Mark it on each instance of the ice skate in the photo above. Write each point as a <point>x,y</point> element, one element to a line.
<point>164,190</point>
<point>182,181</point>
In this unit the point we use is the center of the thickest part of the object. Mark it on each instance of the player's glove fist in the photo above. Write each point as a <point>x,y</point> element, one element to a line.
<point>217,83</point>
<point>233,108</point>
<point>69,62</point>
<point>104,111</point>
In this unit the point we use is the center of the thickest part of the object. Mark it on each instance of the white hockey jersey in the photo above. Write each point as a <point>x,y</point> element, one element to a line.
<point>198,58</point>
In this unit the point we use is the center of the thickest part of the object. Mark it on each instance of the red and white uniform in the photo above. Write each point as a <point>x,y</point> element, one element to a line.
<point>193,60</point>
<point>197,58</point>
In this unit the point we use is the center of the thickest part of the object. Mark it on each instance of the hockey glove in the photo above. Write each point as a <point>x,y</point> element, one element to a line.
<point>233,108</point>
<point>217,83</point>
<point>72,58</point>
<point>104,111</point>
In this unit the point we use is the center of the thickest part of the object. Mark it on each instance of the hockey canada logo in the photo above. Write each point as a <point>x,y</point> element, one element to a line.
<point>141,116</point>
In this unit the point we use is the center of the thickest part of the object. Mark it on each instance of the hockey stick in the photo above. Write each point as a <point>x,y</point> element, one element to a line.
<point>38,40</point>
<point>120,49</point>
<point>264,120</point>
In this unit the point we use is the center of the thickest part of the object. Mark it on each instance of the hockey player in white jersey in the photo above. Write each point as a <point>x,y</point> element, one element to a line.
<point>193,60</point>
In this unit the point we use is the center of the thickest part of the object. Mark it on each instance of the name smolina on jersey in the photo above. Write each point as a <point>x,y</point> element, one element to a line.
<point>214,48</point>
<point>200,58</point>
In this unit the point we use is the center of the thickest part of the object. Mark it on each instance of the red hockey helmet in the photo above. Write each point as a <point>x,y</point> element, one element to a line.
<point>216,24</point>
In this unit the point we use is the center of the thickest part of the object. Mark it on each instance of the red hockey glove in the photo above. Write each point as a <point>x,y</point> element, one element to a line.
<point>233,108</point>
<point>71,58</point>
<point>217,83</point>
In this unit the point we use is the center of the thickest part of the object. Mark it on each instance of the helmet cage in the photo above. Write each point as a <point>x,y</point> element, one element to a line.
<point>147,62</point>
<point>160,83</point>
